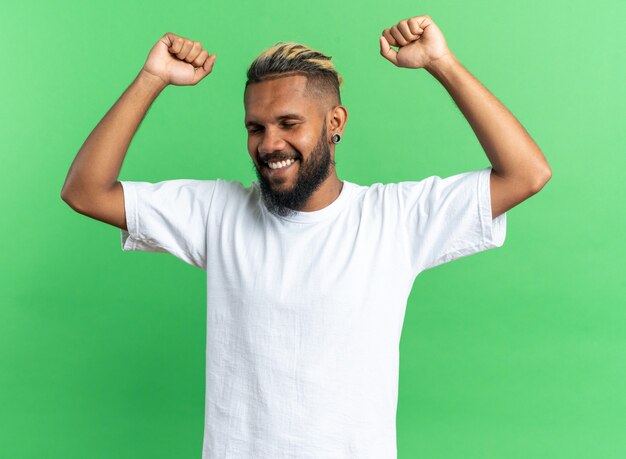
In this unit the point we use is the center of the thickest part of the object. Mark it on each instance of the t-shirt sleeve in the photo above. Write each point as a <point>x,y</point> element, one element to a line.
<point>449,218</point>
<point>169,217</point>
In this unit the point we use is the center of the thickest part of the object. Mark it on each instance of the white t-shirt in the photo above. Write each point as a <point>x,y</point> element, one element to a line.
<point>304,313</point>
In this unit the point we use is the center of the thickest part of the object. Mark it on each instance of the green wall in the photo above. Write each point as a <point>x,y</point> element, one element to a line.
<point>517,352</point>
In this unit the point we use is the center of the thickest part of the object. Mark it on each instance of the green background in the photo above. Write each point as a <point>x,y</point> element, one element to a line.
<point>516,352</point>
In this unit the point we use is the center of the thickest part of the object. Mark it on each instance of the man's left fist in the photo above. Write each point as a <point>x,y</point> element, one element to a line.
<point>420,43</point>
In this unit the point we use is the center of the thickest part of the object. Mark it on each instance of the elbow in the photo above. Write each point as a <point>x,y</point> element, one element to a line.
<point>65,195</point>
<point>541,180</point>
<point>66,191</point>
<point>69,198</point>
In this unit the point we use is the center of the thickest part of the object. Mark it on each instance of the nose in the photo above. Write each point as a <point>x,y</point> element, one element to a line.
<point>271,141</point>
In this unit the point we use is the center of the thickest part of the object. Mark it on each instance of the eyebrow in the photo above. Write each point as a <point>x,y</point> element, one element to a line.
<point>292,116</point>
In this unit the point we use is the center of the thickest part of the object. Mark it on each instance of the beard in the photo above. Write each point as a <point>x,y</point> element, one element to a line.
<point>311,175</point>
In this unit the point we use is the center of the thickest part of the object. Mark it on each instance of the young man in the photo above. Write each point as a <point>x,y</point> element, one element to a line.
<point>307,275</point>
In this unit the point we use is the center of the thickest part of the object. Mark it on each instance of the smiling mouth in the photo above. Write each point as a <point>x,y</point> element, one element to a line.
<point>279,164</point>
<point>278,167</point>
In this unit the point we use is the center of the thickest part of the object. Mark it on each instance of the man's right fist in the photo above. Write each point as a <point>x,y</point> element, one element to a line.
<point>178,61</point>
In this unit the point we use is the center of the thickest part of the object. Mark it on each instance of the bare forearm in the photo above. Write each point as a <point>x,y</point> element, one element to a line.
<point>510,149</point>
<point>98,163</point>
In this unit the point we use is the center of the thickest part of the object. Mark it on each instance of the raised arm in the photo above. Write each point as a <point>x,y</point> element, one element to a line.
<point>91,186</point>
<point>519,167</point>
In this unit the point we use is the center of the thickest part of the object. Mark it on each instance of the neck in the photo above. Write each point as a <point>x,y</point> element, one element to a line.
<point>325,195</point>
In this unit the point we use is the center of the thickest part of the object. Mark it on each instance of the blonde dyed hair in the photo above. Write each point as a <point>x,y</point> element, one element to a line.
<point>290,58</point>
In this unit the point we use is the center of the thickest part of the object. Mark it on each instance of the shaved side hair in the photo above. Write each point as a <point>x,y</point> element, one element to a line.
<point>289,58</point>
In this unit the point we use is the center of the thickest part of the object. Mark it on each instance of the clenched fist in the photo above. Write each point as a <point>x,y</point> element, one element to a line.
<point>178,61</point>
<point>420,43</point>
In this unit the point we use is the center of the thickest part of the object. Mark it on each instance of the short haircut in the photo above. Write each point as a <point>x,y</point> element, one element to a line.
<point>289,58</point>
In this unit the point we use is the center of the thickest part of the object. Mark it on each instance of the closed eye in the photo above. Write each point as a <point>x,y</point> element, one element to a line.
<point>287,125</point>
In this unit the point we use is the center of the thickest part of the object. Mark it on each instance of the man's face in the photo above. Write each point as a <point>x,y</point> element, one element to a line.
<point>283,124</point>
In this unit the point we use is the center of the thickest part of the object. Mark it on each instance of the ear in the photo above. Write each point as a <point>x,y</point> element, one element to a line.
<point>337,118</point>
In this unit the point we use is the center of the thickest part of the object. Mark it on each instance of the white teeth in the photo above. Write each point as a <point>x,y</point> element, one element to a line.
<point>281,164</point>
